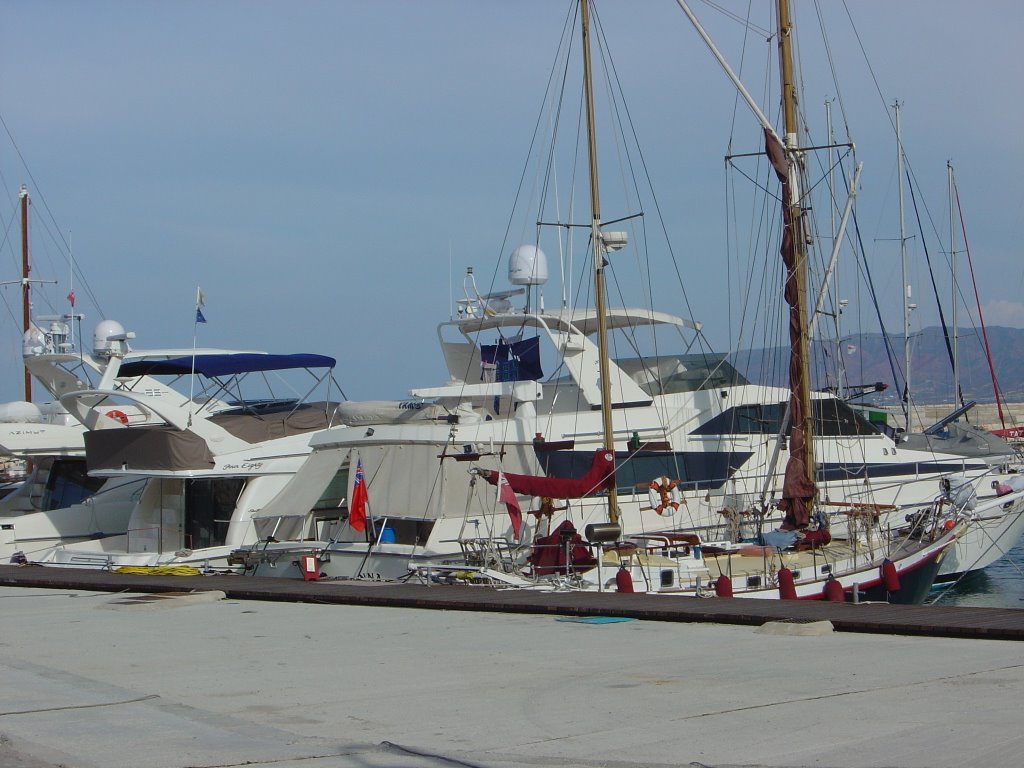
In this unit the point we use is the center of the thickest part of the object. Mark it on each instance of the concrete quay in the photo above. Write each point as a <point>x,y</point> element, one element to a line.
<point>121,680</point>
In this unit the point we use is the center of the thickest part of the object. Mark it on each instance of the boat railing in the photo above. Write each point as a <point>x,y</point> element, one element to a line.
<point>492,552</point>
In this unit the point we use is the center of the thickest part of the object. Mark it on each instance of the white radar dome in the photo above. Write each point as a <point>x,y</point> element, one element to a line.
<point>107,337</point>
<point>20,412</point>
<point>527,266</point>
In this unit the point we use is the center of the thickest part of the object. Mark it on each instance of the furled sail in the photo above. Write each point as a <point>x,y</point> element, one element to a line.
<point>797,487</point>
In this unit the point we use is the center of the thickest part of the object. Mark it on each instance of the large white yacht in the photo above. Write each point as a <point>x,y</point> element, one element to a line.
<point>182,446</point>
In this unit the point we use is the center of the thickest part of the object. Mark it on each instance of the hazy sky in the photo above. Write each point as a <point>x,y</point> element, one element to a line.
<point>316,166</point>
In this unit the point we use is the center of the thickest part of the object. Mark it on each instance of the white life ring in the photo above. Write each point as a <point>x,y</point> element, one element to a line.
<point>664,495</point>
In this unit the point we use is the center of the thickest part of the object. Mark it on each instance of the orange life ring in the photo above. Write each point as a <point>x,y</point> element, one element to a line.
<point>117,415</point>
<point>664,495</point>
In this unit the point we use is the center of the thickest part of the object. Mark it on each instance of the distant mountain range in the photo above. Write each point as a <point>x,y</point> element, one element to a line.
<point>866,361</point>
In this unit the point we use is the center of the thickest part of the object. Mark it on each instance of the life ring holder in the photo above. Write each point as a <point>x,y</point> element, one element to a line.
<point>664,495</point>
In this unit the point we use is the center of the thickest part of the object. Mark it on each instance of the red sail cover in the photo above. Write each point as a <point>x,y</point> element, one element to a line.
<point>549,552</point>
<point>797,489</point>
<point>598,478</point>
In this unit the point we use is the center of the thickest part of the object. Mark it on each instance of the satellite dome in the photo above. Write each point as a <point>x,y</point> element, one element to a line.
<point>33,342</point>
<point>107,337</point>
<point>527,266</point>
<point>20,411</point>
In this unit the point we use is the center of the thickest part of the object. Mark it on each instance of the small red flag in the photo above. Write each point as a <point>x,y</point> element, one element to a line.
<point>508,497</point>
<point>71,297</point>
<point>357,505</point>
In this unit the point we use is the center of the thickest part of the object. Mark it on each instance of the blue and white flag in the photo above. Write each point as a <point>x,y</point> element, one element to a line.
<point>200,303</point>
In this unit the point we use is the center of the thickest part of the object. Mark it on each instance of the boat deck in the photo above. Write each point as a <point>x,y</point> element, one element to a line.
<point>879,618</point>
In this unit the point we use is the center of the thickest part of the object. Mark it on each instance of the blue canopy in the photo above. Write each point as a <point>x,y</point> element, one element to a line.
<point>225,364</point>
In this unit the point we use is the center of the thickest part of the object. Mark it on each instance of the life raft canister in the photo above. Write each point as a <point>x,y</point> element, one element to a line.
<point>664,495</point>
<point>117,416</point>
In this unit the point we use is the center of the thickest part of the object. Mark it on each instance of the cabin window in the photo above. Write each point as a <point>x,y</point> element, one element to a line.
<point>670,374</point>
<point>667,579</point>
<point>832,418</point>
<point>393,530</point>
<point>334,494</point>
<point>69,484</point>
<point>756,419</point>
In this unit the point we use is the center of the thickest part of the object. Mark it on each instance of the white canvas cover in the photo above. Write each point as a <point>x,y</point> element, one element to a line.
<point>407,481</point>
<point>402,480</point>
<point>285,516</point>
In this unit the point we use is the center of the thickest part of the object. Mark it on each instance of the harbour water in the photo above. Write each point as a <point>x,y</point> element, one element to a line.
<point>1001,585</point>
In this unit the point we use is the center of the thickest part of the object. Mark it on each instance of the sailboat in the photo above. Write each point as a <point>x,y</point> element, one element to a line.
<point>826,569</point>
<point>684,422</point>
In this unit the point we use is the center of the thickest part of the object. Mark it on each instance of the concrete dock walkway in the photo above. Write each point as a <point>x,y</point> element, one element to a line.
<point>91,678</point>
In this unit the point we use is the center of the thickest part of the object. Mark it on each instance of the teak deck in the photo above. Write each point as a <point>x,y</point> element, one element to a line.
<point>881,618</point>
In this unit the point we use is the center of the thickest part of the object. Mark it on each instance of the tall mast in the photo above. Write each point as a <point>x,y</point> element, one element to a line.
<point>798,488</point>
<point>597,247</point>
<point>25,269</point>
<point>908,400</point>
<point>952,269</point>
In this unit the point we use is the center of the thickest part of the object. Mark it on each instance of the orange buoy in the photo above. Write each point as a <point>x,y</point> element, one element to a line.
<point>723,587</point>
<point>890,577</point>
<point>623,581</point>
<point>834,591</point>
<point>787,589</point>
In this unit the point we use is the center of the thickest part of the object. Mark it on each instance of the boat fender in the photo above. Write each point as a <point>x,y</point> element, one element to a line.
<point>833,591</point>
<point>623,581</point>
<point>117,416</point>
<point>723,586</point>
<point>664,495</point>
<point>890,577</point>
<point>787,589</point>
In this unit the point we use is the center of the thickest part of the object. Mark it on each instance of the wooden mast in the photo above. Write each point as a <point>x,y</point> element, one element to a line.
<point>25,269</point>
<point>597,245</point>
<point>800,502</point>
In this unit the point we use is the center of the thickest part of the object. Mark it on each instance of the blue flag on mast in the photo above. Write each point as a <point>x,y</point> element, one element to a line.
<point>200,302</point>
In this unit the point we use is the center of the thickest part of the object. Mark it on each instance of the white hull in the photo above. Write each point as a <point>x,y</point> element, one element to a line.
<point>992,532</point>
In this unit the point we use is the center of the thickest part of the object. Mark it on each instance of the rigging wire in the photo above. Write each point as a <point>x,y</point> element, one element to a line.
<point>745,22</point>
<point>935,288</point>
<point>984,332</point>
<point>50,221</point>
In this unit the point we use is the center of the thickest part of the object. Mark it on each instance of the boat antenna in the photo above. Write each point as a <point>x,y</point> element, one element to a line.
<point>598,251</point>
